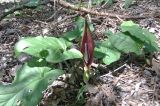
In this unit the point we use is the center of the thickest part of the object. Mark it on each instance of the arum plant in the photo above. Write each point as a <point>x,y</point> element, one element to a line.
<point>87,49</point>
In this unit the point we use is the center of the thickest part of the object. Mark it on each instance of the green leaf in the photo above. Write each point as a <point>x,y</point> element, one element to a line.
<point>34,45</point>
<point>150,45</point>
<point>97,2</point>
<point>126,44</point>
<point>80,99</point>
<point>32,3</point>
<point>71,54</point>
<point>140,35</point>
<point>106,52</point>
<point>110,2</point>
<point>128,23</point>
<point>37,62</point>
<point>28,85</point>
<point>72,34</point>
<point>110,55</point>
<point>58,56</point>
<point>80,95</point>
<point>80,24</point>
<point>53,49</point>
<point>128,3</point>
<point>109,33</point>
<point>77,32</point>
<point>134,30</point>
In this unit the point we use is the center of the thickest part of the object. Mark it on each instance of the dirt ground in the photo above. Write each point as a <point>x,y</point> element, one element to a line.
<point>132,85</point>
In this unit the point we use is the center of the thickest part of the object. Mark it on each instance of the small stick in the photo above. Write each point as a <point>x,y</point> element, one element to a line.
<point>64,19</point>
<point>120,67</point>
<point>94,12</point>
<point>100,67</point>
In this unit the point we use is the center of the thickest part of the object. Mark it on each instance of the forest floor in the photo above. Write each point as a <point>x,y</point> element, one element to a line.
<point>134,84</point>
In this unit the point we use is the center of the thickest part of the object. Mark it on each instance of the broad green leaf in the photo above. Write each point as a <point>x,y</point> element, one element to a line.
<point>128,23</point>
<point>134,30</point>
<point>109,33</point>
<point>72,34</point>
<point>58,56</point>
<point>72,54</point>
<point>140,35</point>
<point>37,62</point>
<point>106,52</point>
<point>110,55</point>
<point>53,49</point>
<point>34,45</point>
<point>26,89</point>
<point>55,57</point>
<point>126,44</point>
<point>151,45</point>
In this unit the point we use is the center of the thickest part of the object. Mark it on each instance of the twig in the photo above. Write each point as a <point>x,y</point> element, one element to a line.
<point>11,11</point>
<point>100,67</point>
<point>120,67</point>
<point>64,19</point>
<point>155,92</point>
<point>93,12</point>
<point>21,7</point>
<point>73,7</point>
<point>154,89</point>
<point>67,82</point>
<point>53,16</point>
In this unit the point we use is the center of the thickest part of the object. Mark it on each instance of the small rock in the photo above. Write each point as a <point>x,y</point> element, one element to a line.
<point>146,72</point>
<point>45,31</point>
<point>152,30</point>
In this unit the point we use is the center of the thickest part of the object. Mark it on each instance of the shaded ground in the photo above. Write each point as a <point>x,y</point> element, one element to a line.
<point>132,85</point>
